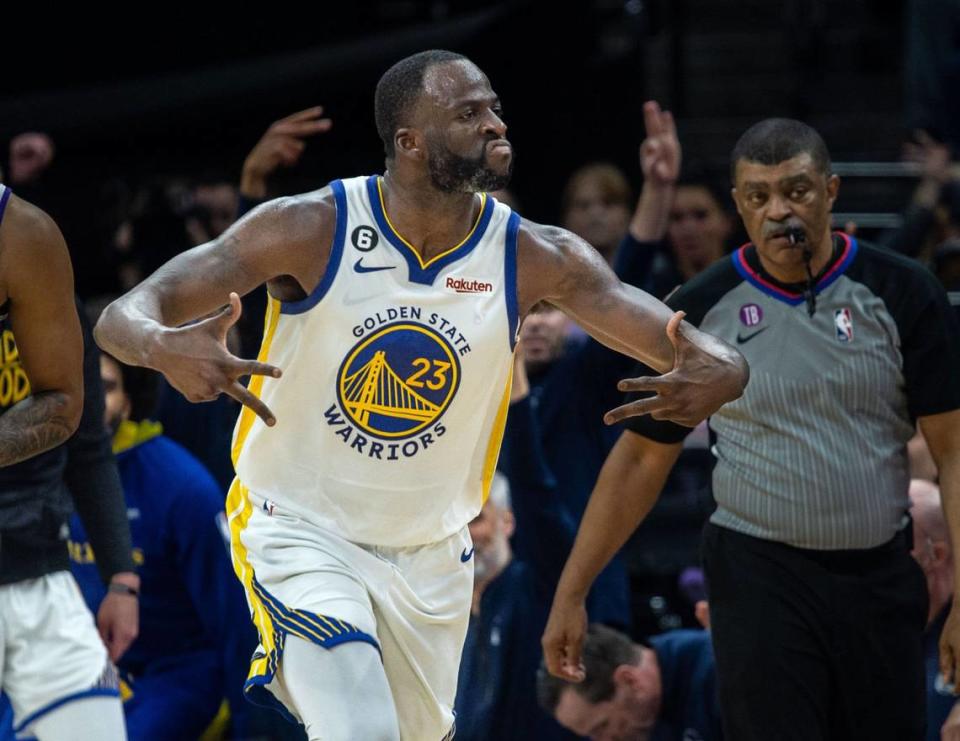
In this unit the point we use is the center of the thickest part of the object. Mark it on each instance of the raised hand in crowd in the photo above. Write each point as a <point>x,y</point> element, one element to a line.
<point>936,167</point>
<point>31,153</point>
<point>281,146</point>
<point>660,157</point>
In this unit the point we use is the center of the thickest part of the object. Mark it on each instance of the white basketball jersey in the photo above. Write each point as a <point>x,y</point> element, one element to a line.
<point>396,379</point>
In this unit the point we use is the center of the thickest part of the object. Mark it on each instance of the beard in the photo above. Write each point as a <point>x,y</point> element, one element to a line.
<point>451,173</point>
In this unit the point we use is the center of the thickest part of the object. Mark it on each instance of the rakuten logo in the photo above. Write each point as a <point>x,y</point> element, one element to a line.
<point>469,285</point>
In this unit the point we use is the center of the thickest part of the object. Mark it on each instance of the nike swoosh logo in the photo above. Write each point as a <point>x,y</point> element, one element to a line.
<point>361,269</point>
<point>741,339</point>
<point>464,557</point>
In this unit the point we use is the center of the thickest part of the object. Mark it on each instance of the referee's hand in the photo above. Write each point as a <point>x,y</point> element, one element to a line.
<point>950,647</point>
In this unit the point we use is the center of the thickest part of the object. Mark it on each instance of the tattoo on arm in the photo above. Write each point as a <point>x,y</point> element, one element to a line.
<point>34,426</point>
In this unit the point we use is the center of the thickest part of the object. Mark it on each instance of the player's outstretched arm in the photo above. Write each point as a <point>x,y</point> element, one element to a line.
<point>285,243</point>
<point>701,373</point>
<point>37,280</point>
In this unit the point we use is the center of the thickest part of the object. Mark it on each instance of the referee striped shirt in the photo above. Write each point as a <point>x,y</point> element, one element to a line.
<point>814,452</point>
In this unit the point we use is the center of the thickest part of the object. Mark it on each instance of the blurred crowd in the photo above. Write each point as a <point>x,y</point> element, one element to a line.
<point>648,654</point>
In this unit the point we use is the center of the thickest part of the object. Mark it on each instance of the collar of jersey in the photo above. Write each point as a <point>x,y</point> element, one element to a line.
<point>747,263</point>
<point>420,271</point>
<point>131,434</point>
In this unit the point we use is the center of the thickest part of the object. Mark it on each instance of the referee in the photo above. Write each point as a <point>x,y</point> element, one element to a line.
<point>817,609</point>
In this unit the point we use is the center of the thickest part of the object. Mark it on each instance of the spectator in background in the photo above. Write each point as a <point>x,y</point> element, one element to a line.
<point>924,220</point>
<point>213,208</point>
<point>573,383</point>
<point>71,199</point>
<point>281,147</point>
<point>946,255</point>
<point>520,541</point>
<point>932,551</point>
<point>195,639</point>
<point>663,555</point>
<point>597,206</point>
<point>667,692</point>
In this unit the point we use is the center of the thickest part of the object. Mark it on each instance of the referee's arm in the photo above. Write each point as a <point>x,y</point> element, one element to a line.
<point>626,490</point>
<point>942,433</point>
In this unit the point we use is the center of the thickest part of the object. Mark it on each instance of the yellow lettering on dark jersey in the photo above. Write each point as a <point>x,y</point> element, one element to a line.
<point>14,384</point>
<point>82,553</point>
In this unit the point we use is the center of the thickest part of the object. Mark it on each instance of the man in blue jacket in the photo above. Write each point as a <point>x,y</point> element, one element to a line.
<point>194,637</point>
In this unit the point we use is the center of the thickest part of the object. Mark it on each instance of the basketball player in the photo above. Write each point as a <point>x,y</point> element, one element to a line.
<point>53,665</point>
<point>393,312</point>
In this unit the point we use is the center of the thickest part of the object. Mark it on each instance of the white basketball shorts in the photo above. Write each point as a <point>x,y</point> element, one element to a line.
<point>412,604</point>
<point>50,650</point>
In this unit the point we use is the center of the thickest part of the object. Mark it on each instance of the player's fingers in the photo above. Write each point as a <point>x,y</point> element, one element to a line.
<point>255,368</point>
<point>643,383</point>
<point>245,397</point>
<point>227,316</point>
<point>673,328</point>
<point>633,409</point>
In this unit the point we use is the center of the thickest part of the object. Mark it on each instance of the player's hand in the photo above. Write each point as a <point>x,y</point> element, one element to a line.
<point>698,385</point>
<point>950,730</point>
<point>950,647</point>
<point>563,638</point>
<point>660,151</point>
<point>196,362</point>
<point>118,620</point>
<point>281,146</point>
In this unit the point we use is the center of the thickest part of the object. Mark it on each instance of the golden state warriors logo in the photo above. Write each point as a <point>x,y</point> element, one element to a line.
<point>398,381</point>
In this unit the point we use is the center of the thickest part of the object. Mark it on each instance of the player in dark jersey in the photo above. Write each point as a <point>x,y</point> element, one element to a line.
<point>56,670</point>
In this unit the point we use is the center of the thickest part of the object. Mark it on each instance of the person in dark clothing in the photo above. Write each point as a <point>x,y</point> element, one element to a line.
<point>664,692</point>
<point>573,382</point>
<point>817,609</point>
<point>56,670</point>
<point>520,538</point>
<point>194,638</point>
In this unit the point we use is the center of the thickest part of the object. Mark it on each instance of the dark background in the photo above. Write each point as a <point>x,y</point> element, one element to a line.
<point>173,92</point>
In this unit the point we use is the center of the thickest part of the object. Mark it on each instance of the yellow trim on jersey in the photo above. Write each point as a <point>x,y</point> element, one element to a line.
<point>496,438</point>
<point>428,263</point>
<point>239,510</point>
<point>247,415</point>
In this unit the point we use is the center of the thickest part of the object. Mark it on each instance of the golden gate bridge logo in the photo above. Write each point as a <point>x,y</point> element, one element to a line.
<point>399,380</point>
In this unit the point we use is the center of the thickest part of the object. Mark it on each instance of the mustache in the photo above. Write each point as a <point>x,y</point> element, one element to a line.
<point>780,228</point>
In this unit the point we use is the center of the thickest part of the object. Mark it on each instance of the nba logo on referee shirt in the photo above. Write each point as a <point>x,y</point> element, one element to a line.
<point>843,323</point>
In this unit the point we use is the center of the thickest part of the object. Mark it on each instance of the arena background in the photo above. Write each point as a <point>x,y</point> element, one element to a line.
<point>149,92</point>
